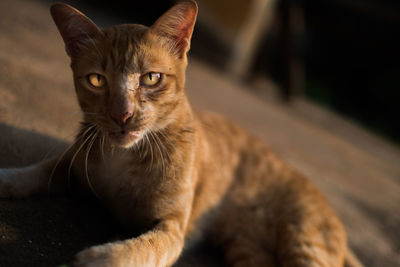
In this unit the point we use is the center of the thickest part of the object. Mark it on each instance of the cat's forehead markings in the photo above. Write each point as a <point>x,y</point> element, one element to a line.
<point>123,40</point>
<point>157,62</point>
<point>132,81</point>
<point>132,52</point>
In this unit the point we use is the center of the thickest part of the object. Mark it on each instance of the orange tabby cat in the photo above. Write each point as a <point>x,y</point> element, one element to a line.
<point>169,173</point>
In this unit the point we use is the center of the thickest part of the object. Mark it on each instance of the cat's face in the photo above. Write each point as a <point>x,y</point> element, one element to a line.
<point>128,83</point>
<point>129,79</point>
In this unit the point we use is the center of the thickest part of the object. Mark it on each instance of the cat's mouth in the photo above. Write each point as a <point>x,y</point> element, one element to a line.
<point>125,138</point>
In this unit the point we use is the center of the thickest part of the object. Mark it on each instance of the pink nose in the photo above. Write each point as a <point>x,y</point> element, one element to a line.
<point>122,118</point>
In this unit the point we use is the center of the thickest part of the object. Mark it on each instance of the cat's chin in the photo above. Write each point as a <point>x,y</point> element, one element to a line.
<point>125,139</point>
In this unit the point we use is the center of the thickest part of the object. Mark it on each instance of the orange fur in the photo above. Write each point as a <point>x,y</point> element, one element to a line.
<point>169,173</point>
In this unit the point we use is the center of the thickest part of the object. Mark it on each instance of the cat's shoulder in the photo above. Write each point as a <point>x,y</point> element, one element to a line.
<point>215,125</point>
<point>216,121</point>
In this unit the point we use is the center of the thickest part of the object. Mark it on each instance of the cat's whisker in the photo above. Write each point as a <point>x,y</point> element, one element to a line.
<point>103,137</point>
<point>63,155</point>
<point>166,150</point>
<point>167,139</point>
<point>77,151</point>
<point>101,142</point>
<point>143,148</point>
<point>167,145</point>
<point>147,147</point>
<point>165,136</point>
<point>151,152</point>
<point>138,147</point>
<point>93,139</point>
<point>160,151</point>
<point>57,163</point>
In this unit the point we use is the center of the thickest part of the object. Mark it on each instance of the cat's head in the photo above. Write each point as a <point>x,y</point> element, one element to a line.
<point>129,78</point>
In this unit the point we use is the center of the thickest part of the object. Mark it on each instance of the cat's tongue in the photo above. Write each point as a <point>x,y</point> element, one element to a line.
<point>125,138</point>
<point>134,133</point>
<point>128,133</point>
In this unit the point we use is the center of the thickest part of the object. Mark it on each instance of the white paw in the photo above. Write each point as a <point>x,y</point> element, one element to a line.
<point>108,255</point>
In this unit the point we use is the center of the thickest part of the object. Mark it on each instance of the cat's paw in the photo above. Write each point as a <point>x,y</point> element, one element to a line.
<point>108,255</point>
<point>22,182</point>
<point>7,189</point>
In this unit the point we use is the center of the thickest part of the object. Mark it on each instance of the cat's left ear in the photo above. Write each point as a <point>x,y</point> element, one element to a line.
<point>77,30</point>
<point>177,25</point>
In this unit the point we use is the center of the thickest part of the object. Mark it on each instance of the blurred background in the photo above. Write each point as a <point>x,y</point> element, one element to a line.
<point>342,55</point>
<point>318,81</point>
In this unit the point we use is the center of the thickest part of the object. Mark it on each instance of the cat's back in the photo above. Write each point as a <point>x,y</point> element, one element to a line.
<point>222,142</point>
<point>250,169</point>
<point>227,140</point>
<point>260,192</point>
<point>220,131</point>
<point>230,154</point>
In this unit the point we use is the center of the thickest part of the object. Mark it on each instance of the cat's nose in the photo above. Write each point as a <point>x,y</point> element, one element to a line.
<point>122,118</point>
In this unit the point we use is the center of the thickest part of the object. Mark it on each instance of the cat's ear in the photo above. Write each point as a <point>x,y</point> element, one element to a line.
<point>177,25</point>
<point>76,29</point>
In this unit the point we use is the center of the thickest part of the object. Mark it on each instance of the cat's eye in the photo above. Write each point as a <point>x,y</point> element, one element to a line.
<point>150,79</point>
<point>96,80</point>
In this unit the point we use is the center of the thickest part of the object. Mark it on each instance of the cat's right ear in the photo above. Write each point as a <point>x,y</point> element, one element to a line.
<point>177,25</point>
<point>77,30</point>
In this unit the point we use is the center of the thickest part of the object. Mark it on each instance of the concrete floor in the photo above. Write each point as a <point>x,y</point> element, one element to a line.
<point>358,172</point>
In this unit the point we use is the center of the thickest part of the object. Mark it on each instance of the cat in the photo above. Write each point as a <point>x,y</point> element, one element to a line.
<point>167,172</point>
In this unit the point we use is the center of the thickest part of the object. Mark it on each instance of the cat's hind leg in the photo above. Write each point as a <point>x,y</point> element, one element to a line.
<point>314,239</point>
<point>312,249</point>
<point>244,239</point>
<point>242,252</point>
<point>301,245</point>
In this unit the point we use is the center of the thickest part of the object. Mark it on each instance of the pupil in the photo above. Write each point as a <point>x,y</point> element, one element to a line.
<point>150,77</point>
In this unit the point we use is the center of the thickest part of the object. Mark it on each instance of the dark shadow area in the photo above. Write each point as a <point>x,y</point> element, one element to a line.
<point>346,53</point>
<point>352,61</point>
<point>44,231</point>
<point>19,147</point>
<point>49,230</point>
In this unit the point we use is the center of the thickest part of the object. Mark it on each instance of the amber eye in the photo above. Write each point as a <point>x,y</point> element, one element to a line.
<point>96,80</point>
<point>150,79</point>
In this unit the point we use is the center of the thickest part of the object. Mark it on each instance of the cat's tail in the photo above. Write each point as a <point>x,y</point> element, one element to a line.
<point>351,260</point>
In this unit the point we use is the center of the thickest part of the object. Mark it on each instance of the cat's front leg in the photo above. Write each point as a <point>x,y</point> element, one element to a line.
<point>30,180</point>
<point>159,247</point>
